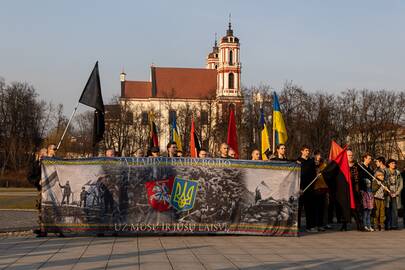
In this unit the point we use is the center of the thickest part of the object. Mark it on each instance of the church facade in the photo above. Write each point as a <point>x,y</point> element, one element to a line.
<point>205,94</point>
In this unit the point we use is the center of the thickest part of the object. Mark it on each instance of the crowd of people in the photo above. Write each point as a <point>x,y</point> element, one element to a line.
<point>377,187</point>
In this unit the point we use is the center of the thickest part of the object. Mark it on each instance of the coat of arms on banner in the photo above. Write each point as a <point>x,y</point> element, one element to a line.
<point>159,193</point>
<point>183,194</point>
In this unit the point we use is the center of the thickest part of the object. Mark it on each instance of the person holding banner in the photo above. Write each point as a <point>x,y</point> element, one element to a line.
<point>34,177</point>
<point>51,150</point>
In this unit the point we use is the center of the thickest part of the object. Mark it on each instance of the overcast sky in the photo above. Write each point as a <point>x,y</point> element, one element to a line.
<point>319,45</point>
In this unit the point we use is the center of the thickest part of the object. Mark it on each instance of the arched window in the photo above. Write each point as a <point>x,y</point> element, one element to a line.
<point>230,81</point>
<point>231,57</point>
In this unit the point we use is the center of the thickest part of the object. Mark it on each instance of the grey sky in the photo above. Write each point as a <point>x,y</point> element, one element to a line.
<point>320,45</point>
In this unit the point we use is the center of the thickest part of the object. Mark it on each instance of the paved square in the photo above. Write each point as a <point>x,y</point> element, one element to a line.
<point>332,250</point>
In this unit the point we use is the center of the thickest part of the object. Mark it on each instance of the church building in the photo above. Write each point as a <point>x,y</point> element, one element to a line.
<point>208,92</point>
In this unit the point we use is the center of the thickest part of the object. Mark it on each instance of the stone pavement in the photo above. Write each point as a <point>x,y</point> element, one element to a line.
<point>18,220</point>
<point>332,250</point>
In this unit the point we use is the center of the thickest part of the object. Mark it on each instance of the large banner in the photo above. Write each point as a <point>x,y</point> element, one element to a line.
<point>124,196</point>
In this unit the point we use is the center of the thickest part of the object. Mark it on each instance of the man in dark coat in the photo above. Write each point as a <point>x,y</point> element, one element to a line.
<point>308,173</point>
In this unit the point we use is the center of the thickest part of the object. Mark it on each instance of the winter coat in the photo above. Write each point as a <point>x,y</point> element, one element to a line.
<point>395,184</point>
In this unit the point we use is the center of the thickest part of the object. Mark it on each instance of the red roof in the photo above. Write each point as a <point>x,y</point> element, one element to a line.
<point>175,83</point>
<point>137,89</point>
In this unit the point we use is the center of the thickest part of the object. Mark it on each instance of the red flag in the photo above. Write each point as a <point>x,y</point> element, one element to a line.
<point>232,139</point>
<point>337,175</point>
<point>194,142</point>
<point>159,193</point>
<point>335,149</point>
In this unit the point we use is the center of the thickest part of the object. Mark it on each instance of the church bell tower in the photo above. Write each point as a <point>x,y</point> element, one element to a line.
<point>229,94</point>
<point>229,66</point>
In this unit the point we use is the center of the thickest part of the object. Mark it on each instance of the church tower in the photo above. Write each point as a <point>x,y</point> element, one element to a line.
<point>229,94</point>
<point>213,57</point>
<point>229,66</point>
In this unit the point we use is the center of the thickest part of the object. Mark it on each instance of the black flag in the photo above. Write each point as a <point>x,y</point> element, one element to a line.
<point>91,95</point>
<point>338,179</point>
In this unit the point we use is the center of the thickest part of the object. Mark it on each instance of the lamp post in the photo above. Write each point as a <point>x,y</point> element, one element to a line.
<point>258,99</point>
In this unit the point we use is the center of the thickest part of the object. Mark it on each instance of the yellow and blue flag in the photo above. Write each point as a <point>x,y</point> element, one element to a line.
<point>175,137</point>
<point>265,149</point>
<point>280,132</point>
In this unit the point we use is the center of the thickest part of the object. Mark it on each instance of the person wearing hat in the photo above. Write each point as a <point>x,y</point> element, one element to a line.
<point>393,202</point>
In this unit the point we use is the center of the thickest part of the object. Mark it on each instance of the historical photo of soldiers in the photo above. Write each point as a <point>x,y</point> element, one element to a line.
<point>67,191</point>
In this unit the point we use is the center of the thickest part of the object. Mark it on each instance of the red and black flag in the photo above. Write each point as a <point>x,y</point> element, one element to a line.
<point>194,142</point>
<point>91,96</point>
<point>153,136</point>
<point>337,176</point>
<point>334,151</point>
<point>232,138</point>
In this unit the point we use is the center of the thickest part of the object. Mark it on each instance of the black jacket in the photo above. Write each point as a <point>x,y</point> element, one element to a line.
<point>364,175</point>
<point>34,172</point>
<point>308,172</point>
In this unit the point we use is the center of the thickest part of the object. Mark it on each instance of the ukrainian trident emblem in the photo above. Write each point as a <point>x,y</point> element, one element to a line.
<point>183,194</point>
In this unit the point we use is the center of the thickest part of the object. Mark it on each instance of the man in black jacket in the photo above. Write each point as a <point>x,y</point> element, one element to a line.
<point>308,173</point>
<point>34,173</point>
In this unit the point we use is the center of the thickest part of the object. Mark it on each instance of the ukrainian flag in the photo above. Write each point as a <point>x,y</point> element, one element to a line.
<point>264,137</point>
<point>175,137</point>
<point>280,132</point>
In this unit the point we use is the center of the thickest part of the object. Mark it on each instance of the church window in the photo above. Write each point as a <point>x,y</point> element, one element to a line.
<point>231,57</point>
<point>231,81</point>
<point>204,118</point>
<point>129,118</point>
<point>144,118</point>
<point>172,116</point>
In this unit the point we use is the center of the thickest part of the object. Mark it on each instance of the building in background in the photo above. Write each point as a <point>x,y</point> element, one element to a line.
<point>175,92</point>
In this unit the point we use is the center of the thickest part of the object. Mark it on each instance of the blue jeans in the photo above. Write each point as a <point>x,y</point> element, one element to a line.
<point>392,214</point>
<point>366,218</point>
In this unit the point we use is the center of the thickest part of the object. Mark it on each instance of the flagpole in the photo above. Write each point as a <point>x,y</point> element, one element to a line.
<point>374,178</point>
<point>274,136</point>
<point>274,131</point>
<point>311,183</point>
<point>67,126</point>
